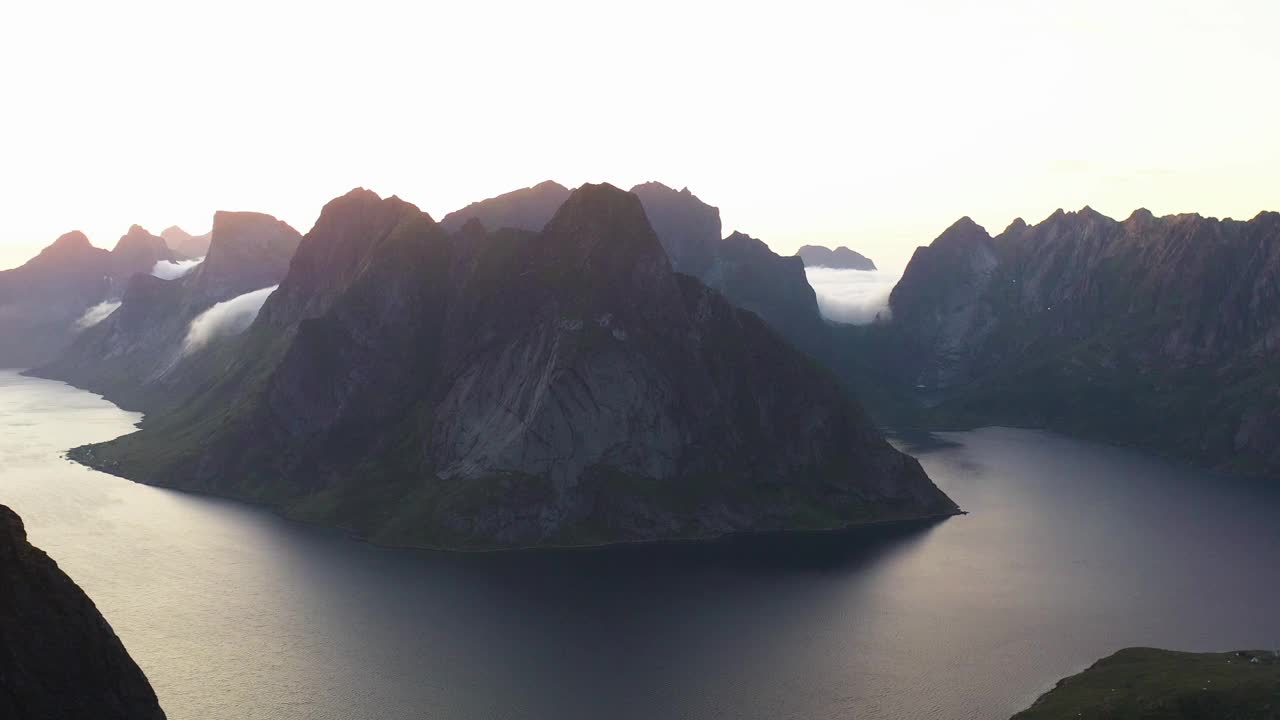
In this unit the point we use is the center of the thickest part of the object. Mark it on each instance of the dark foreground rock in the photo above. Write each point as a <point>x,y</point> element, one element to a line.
<point>59,659</point>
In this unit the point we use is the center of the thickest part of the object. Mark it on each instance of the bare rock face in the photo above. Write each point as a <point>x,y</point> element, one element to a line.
<point>507,389</point>
<point>58,657</point>
<point>1159,332</point>
<point>842,258</point>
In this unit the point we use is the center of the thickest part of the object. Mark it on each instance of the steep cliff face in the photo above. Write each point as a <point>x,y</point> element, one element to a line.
<point>44,301</point>
<point>58,657</point>
<point>1153,331</point>
<point>842,258</point>
<point>514,388</point>
<point>138,356</point>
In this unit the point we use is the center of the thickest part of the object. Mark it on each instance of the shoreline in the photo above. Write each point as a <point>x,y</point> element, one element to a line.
<point>350,534</point>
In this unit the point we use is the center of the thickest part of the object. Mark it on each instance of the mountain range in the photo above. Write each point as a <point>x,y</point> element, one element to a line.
<point>506,388</point>
<point>137,355</point>
<point>45,301</point>
<point>1153,331</point>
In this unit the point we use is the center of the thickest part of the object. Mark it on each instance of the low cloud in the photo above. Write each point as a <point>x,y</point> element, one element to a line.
<point>230,317</point>
<point>856,297</point>
<point>96,314</point>
<point>169,270</point>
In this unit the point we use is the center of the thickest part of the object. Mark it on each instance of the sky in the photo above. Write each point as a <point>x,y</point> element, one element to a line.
<point>873,125</point>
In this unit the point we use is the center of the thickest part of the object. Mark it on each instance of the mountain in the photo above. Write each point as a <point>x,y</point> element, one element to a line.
<point>1166,685</point>
<point>1156,332</point>
<point>135,357</point>
<point>744,269</point>
<point>139,251</point>
<point>186,244</point>
<point>526,209</point>
<point>841,258</point>
<point>58,657</point>
<point>511,388</point>
<point>48,300</point>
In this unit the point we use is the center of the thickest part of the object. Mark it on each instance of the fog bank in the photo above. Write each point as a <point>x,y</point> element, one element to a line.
<point>96,314</point>
<point>853,296</point>
<point>170,270</point>
<point>229,317</point>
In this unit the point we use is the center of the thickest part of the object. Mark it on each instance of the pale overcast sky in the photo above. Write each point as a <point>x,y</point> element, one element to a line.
<point>868,124</point>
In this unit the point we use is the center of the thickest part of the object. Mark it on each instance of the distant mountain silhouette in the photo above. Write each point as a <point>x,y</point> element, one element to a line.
<point>41,301</point>
<point>842,258</point>
<point>526,209</point>
<point>186,244</point>
<point>135,354</point>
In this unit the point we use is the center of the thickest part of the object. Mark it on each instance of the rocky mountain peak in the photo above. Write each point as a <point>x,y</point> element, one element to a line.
<point>607,234</point>
<point>688,228</point>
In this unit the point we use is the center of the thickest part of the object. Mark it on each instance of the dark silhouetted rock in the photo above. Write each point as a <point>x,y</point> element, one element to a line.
<point>59,659</point>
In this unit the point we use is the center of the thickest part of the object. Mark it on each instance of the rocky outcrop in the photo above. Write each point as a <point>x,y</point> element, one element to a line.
<point>1158,332</point>
<point>44,301</point>
<point>58,657</point>
<point>186,244</point>
<point>526,209</point>
<point>138,356</point>
<point>842,258</point>
<point>506,389</point>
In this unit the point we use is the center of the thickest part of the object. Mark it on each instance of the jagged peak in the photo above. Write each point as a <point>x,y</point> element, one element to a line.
<point>600,214</point>
<point>964,225</point>
<point>1018,225</point>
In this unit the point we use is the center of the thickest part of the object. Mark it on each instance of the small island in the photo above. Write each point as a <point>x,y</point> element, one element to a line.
<point>1156,684</point>
<point>842,258</point>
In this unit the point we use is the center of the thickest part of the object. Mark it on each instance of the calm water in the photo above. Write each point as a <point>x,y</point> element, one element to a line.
<point>1072,550</point>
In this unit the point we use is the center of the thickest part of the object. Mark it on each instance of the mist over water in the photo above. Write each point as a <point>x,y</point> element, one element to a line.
<point>853,296</point>
<point>97,314</point>
<point>1071,551</point>
<point>169,270</point>
<point>229,317</point>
